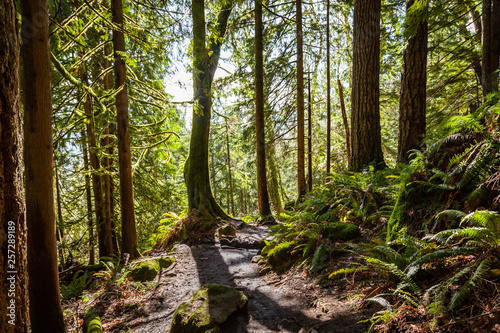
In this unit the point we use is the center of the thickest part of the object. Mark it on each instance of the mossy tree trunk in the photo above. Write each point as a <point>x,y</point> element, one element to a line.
<point>88,196</point>
<point>205,60</point>
<point>12,209</point>
<point>44,298</point>
<point>412,100</point>
<point>129,231</point>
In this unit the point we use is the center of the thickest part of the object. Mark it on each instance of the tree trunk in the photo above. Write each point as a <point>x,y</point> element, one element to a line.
<point>366,143</point>
<point>309,138</point>
<point>196,169</point>
<point>328,94</point>
<point>486,44</point>
<point>301,178</point>
<point>273,180</point>
<point>346,123</point>
<point>12,207</point>
<point>263,195</point>
<point>88,196</point>
<point>412,100</point>
<point>495,42</point>
<point>229,174</point>
<point>103,228</point>
<point>129,231</point>
<point>45,306</point>
<point>59,224</point>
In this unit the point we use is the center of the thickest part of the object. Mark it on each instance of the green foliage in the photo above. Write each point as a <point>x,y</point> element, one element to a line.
<point>77,285</point>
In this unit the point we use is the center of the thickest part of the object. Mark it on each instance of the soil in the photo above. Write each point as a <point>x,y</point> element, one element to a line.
<point>289,303</point>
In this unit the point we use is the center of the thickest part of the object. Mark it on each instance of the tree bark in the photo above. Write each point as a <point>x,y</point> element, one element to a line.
<point>495,42</point>
<point>328,93</point>
<point>366,142</point>
<point>88,196</point>
<point>263,195</point>
<point>301,178</point>
<point>59,222</point>
<point>229,174</point>
<point>346,123</point>
<point>45,306</point>
<point>412,100</point>
<point>129,231</point>
<point>486,44</point>
<point>309,137</point>
<point>205,60</point>
<point>12,205</point>
<point>103,227</point>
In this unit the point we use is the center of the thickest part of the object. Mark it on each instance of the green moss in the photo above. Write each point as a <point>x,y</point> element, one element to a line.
<point>342,231</point>
<point>209,307</point>
<point>92,323</point>
<point>279,256</point>
<point>148,269</point>
<point>226,230</point>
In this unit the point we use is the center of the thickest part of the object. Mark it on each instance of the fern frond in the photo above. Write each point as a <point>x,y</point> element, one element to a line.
<point>446,236</point>
<point>394,270</point>
<point>459,297</point>
<point>413,267</point>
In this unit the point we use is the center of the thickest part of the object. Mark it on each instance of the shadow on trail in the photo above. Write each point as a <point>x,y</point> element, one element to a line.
<point>268,309</point>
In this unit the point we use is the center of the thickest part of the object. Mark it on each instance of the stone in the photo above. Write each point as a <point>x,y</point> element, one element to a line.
<point>209,307</point>
<point>147,270</point>
<point>226,230</point>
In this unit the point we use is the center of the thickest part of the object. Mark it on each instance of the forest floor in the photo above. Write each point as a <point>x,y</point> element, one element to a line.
<point>291,302</point>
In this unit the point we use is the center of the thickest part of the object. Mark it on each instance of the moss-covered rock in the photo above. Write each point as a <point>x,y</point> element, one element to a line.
<point>342,231</point>
<point>226,230</point>
<point>210,307</point>
<point>280,257</point>
<point>147,270</point>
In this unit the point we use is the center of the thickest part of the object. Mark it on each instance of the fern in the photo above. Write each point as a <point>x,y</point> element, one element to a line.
<point>413,267</point>
<point>394,270</point>
<point>459,297</point>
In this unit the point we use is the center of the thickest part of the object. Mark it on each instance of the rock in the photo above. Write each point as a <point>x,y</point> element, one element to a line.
<point>209,307</point>
<point>243,243</point>
<point>257,259</point>
<point>226,230</point>
<point>342,231</point>
<point>147,270</point>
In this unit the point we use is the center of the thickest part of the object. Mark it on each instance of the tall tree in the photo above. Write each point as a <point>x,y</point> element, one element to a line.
<point>88,198</point>
<point>205,60</point>
<point>264,206</point>
<point>229,173</point>
<point>45,306</point>
<point>486,44</point>
<point>495,42</point>
<point>309,136</point>
<point>412,100</point>
<point>129,231</point>
<point>12,210</point>
<point>366,142</point>
<point>328,89</point>
<point>301,178</point>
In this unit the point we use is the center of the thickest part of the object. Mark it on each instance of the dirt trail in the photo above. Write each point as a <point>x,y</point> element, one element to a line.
<point>287,303</point>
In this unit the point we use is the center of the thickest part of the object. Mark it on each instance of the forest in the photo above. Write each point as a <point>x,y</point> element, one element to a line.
<point>228,166</point>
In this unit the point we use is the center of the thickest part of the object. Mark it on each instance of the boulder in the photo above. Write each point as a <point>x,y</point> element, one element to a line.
<point>342,231</point>
<point>209,307</point>
<point>147,270</point>
<point>226,230</point>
